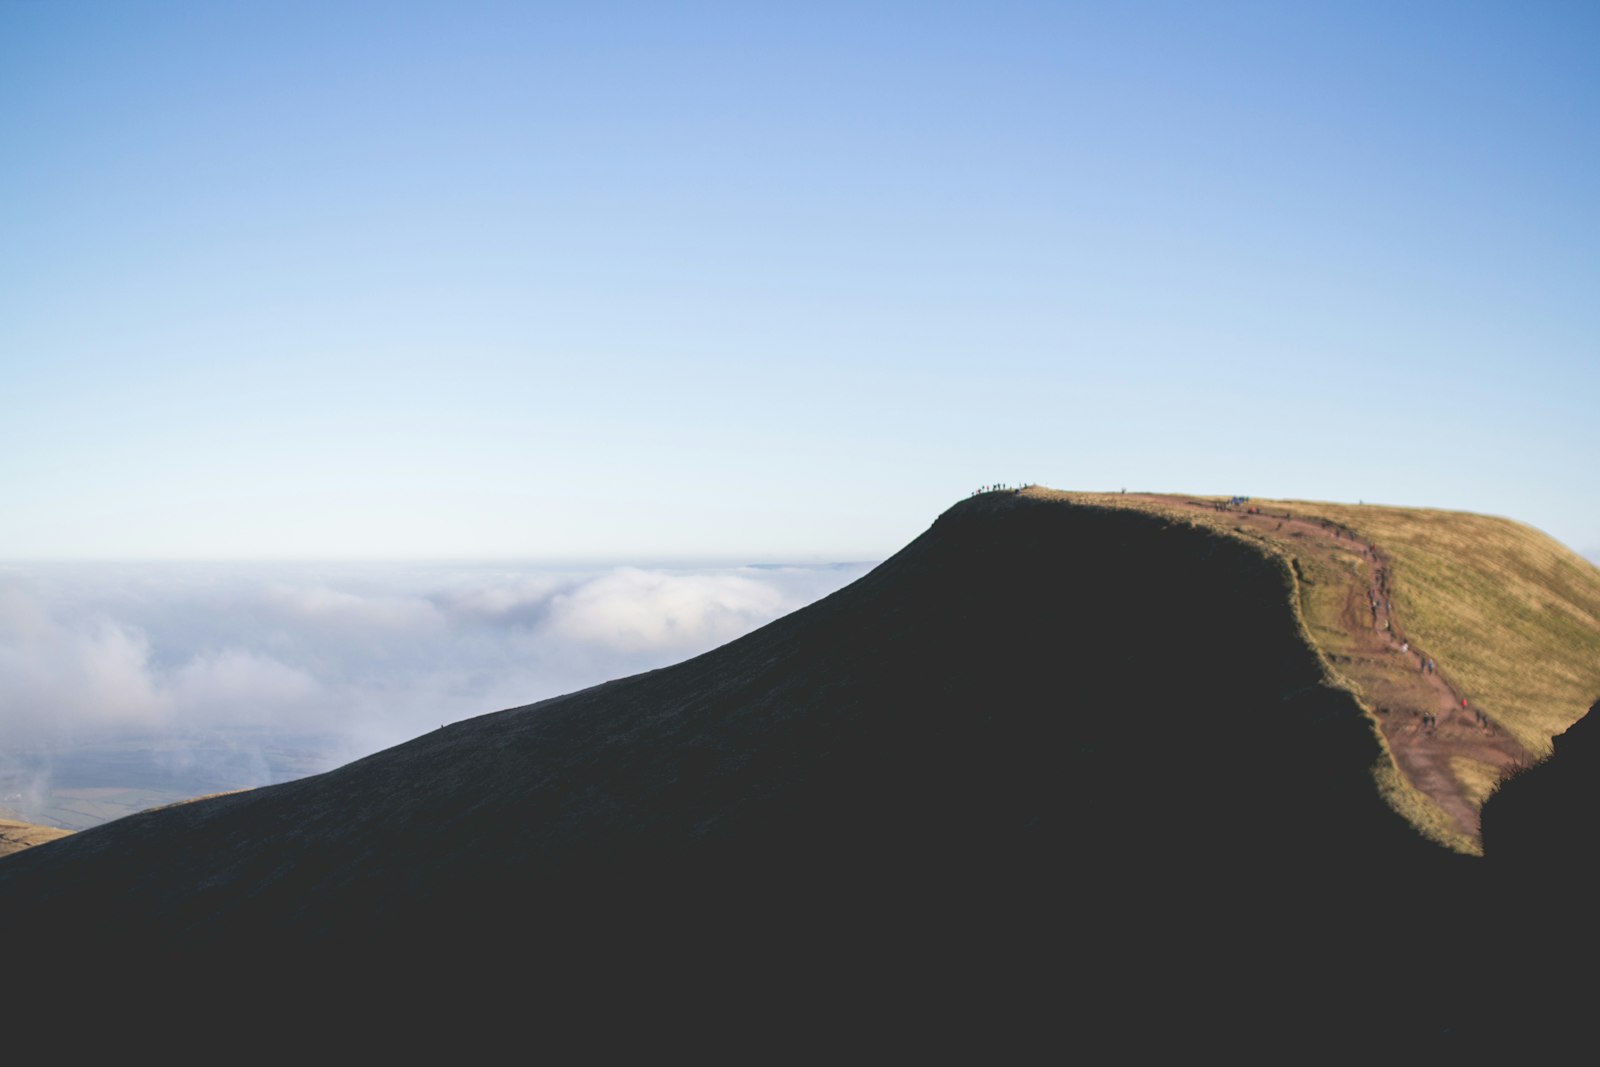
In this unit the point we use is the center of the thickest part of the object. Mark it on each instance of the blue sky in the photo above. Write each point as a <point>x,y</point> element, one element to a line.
<point>695,282</point>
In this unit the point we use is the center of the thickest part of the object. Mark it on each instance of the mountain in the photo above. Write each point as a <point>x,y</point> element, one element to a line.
<point>1058,765</point>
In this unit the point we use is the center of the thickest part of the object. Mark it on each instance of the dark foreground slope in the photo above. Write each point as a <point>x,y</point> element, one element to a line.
<point>1541,836</point>
<point>1056,760</point>
<point>1541,823</point>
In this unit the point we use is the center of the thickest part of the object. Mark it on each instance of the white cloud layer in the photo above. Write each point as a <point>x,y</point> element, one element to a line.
<point>338,660</point>
<point>635,611</point>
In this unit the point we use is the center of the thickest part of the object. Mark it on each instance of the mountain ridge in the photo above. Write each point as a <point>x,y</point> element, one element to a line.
<point>739,768</point>
<point>1049,737</point>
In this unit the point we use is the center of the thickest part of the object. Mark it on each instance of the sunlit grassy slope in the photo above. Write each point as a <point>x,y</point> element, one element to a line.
<point>16,836</point>
<point>1514,614</point>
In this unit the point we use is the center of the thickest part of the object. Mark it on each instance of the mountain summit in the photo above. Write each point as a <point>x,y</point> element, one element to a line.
<point>1052,736</point>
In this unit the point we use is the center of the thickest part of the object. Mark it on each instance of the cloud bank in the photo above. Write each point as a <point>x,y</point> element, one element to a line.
<point>209,670</point>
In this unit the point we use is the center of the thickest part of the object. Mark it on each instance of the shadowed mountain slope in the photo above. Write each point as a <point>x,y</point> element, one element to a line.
<point>1539,836</point>
<point>1539,825</point>
<point>1042,732</point>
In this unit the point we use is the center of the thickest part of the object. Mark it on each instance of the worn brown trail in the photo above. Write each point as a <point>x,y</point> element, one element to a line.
<point>1430,726</point>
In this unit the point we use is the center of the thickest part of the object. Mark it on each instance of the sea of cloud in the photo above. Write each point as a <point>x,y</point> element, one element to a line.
<point>200,677</point>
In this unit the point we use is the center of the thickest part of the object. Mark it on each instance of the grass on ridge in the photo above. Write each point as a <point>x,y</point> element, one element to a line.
<point>1511,616</point>
<point>16,836</point>
<point>1514,615</point>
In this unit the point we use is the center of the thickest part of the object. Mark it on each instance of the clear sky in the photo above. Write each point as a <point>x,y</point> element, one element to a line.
<point>738,281</point>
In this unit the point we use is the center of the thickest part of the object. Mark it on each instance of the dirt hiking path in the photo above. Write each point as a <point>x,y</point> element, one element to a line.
<point>1432,729</point>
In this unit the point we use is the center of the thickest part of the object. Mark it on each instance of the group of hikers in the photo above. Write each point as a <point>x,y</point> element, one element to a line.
<point>1341,532</point>
<point>1430,720</point>
<point>1378,600</point>
<point>1000,487</point>
<point>1243,502</point>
